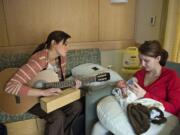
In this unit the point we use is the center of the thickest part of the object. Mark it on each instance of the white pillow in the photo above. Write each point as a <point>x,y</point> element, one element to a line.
<point>90,69</point>
<point>112,116</point>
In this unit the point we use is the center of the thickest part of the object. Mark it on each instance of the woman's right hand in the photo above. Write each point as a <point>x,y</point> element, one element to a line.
<point>51,92</point>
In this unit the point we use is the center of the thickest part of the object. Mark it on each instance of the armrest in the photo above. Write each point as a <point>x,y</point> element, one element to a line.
<point>173,65</point>
<point>91,99</point>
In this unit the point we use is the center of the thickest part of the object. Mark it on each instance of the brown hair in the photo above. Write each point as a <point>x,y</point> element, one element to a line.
<point>153,49</point>
<point>57,36</point>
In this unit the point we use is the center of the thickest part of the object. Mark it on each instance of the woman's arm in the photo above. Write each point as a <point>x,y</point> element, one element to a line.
<point>165,90</point>
<point>172,100</point>
<point>18,84</point>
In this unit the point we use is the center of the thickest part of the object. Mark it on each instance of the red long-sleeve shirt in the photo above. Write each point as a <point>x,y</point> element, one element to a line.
<point>166,89</point>
<point>18,84</point>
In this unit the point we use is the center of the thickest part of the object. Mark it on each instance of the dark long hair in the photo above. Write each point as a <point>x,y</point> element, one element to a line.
<point>153,49</point>
<point>57,36</point>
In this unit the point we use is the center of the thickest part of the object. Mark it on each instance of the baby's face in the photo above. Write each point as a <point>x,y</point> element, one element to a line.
<point>121,84</point>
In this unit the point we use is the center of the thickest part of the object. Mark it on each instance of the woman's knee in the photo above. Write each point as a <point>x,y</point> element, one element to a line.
<point>77,107</point>
<point>56,115</point>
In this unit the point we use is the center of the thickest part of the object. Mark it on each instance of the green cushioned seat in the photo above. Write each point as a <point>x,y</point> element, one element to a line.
<point>5,118</point>
<point>77,57</point>
<point>95,94</point>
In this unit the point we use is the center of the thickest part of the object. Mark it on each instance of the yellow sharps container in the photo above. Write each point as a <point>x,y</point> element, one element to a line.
<point>130,63</point>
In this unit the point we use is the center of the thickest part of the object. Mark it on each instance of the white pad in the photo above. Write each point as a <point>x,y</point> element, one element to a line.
<point>114,118</point>
<point>90,69</point>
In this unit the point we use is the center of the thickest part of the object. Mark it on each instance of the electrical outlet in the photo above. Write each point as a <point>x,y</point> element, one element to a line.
<point>152,20</point>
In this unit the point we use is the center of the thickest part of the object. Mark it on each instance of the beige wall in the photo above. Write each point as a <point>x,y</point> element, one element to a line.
<point>27,23</point>
<point>3,30</point>
<point>116,21</point>
<point>144,30</point>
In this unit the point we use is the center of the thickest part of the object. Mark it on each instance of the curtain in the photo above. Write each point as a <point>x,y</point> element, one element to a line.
<point>172,32</point>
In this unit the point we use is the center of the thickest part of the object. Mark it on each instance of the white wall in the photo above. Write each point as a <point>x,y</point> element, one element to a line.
<point>113,58</point>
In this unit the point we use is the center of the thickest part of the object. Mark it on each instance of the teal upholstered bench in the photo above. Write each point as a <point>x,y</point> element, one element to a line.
<point>173,65</point>
<point>75,57</point>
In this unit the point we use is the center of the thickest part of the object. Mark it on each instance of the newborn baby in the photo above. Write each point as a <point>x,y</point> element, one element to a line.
<point>123,86</point>
<point>125,96</point>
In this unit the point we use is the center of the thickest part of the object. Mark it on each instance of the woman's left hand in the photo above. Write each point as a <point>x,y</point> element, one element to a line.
<point>138,90</point>
<point>78,84</point>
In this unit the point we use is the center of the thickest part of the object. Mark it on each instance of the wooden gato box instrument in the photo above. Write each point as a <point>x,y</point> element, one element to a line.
<point>45,79</point>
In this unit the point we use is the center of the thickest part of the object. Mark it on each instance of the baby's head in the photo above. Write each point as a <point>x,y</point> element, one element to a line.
<point>121,84</point>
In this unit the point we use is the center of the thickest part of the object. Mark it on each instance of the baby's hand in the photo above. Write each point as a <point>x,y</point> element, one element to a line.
<point>131,81</point>
<point>78,84</point>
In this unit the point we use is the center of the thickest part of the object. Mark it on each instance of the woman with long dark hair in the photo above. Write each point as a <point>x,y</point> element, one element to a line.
<point>48,55</point>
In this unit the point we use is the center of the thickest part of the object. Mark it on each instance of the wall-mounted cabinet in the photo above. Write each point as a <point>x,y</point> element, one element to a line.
<point>116,21</point>
<point>150,20</point>
<point>28,22</point>
<point>3,30</point>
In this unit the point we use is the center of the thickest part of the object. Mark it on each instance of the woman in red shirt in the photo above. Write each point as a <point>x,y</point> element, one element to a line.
<point>156,81</point>
<point>153,81</point>
<point>48,55</point>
